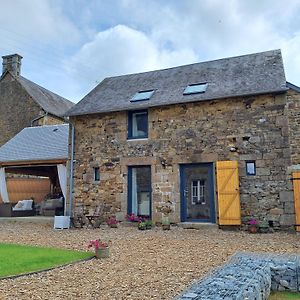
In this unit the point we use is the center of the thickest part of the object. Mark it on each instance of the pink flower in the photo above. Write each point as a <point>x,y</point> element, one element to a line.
<point>252,222</point>
<point>97,244</point>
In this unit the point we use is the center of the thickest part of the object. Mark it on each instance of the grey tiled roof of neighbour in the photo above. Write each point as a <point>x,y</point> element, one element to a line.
<point>293,87</point>
<point>49,101</point>
<point>230,77</point>
<point>47,142</point>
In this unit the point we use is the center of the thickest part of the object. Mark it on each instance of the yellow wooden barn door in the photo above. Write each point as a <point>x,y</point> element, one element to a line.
<point>228,193</point>
<point>296,184</point>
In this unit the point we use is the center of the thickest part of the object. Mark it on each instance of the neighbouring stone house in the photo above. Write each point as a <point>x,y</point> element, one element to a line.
<point>218,139</point>
<point>23,103</point>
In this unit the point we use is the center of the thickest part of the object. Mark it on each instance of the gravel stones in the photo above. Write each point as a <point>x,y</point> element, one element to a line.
<point>152,264</point>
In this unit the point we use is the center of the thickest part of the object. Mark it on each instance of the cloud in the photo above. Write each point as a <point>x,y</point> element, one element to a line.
<point>37,21</point>
<point>291,58</point>
<point>122,50</point>
<point>78,43</point>
<point>159,34</point>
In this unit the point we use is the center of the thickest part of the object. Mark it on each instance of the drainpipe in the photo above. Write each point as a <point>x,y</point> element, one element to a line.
<point>71,168</point>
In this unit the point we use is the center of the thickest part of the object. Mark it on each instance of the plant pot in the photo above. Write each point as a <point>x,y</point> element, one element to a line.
<point>142,227</point>
<point>113,225</point>
<point>166,226</point>
<point>102,252</point>
<point>252,229</point>
<point>264,229</point>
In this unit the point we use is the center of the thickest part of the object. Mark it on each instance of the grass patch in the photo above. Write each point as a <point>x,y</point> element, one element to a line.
<point>20,259</point>
<point>284,296</point>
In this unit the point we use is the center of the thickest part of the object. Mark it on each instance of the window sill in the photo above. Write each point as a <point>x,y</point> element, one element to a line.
<point>137,140</point>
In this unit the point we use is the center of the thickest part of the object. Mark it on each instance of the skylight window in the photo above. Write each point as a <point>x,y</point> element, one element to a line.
<point>142,96</point>
<point>196,88</point>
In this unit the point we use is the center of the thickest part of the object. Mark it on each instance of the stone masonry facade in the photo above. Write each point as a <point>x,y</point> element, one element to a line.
<point>262,128</point>
<point>18,109</point>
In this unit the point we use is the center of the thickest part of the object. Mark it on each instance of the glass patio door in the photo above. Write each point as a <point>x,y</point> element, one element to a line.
<point>139,191</point>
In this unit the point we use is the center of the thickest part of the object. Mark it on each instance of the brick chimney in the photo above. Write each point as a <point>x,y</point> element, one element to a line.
<point>12,63</point>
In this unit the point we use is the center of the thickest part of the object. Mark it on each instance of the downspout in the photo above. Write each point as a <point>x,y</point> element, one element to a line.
<point>71,169</point>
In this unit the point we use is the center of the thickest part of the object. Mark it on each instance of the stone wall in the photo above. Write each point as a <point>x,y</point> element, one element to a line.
<point>256,127</point>
<point>48,119</point>
<point>293,109</point>
<point>248,276</point>
<point>17,109</point>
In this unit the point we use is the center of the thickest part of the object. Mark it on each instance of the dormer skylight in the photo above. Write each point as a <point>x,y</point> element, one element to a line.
<point>142,96</point>
<point>196,88</point>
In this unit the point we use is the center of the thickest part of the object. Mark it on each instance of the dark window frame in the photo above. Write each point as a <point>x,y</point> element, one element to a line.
<point>96,174</point>
<point>130,135</point>
<point>133,99</point>
<point>204,84</point>
<point>247,171</point>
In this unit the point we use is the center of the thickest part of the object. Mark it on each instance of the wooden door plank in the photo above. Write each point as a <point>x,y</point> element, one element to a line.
<point>228,193</point>
<point>296,185</point>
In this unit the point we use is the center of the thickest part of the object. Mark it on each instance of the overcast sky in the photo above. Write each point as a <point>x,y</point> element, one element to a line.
<point>70,46</point>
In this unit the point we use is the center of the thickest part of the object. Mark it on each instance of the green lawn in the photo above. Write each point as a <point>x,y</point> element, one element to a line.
<point>284,296</point>
<point>19,259</point>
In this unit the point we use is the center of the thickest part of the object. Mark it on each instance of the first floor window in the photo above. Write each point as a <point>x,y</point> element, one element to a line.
<point>138,124</point>
<point>198,189</point>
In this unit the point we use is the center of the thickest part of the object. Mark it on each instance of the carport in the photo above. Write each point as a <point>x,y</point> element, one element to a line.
<point>38,152</point>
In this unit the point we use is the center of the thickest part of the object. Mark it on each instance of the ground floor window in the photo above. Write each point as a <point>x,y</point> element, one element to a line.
<point>139,190</point>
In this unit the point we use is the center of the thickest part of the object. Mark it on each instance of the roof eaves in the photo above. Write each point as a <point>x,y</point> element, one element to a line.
<point>277,91</point>
<point>31,162</point>
<point>293,87</point>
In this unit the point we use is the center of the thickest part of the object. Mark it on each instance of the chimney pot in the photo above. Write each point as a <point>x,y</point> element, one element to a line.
<point>12,63</point>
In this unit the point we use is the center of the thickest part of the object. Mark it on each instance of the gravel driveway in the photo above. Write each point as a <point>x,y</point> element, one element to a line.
<point>151,264</point>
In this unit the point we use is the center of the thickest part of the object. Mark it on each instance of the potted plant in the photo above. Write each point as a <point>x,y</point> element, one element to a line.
<point>142,225</point>
<point>166,210</point>
<point>165,223</point>
<point>252,226</point>
<point>264,226</point>
<point>101,248</point>
<point>112,222</point>
<point>148,224</point>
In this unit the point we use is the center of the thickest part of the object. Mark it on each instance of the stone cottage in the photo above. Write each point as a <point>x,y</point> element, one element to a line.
<point>219,140</point>
<point>23,103</point>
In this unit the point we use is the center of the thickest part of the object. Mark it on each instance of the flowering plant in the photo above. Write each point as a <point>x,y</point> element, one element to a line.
<point>97,244</point>
<point>253,222</point>
<point>133,218</point>
<point>112,221</point>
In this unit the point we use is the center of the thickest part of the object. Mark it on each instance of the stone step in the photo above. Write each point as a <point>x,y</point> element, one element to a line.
<point>197,225</point>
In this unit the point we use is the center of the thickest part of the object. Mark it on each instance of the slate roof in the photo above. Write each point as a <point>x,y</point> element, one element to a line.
<point>252,74</point>
<point>47,142</point>
<point>49,101</point>
<point>293,87</point>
